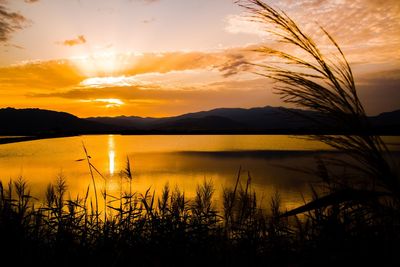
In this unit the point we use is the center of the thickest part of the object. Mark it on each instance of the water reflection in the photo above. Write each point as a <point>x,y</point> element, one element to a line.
<point>111,155</point>
<point>183,161</point>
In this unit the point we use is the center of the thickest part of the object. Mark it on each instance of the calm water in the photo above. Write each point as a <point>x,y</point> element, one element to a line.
<point>183,161</point>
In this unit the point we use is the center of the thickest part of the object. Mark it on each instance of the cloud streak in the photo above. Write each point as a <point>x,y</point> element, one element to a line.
<point>229,60</point>
<point>106,102</point>
<point>10,22</point>
<point>79,40</point>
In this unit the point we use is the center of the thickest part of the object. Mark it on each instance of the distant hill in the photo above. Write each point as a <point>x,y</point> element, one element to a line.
<point>263,120</point>
<point>223,119</point>
<point>236,120</point>
<point>46,122</point>
<point>387,122</point>
<point>239,120</point>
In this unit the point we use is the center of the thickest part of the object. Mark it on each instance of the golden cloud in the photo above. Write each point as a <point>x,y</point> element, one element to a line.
<point>40,75</point>
<point>80,39</point>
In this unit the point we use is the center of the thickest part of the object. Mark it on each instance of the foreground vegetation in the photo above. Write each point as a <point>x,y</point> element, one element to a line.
<point>140,230</point>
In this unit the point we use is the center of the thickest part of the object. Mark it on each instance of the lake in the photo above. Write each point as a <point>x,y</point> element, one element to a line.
<point>181,160</point>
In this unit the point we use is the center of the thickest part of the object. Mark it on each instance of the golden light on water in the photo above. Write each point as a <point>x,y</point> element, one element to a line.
<point>111,155</point>
<point>183,161</point>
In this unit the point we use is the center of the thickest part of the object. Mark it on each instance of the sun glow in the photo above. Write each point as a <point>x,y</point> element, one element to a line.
<point>103,64</point>
<point>100,82</point>
<point>109,102</point>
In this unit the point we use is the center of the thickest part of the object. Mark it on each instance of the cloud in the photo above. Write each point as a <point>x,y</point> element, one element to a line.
<point>80,39</point>
<point>242,24</point>
<point>128,64</point>
<point>39,75</point>
<point>168,67</point>
<point>235,64</point>
<point>14,46</point>
<point>379,91</point>
<point>31,1</point>
<point>106,102</point>
<point>227,61</point>
<point>99,82</point>
<point>361,27</point>
<point>10,22</point>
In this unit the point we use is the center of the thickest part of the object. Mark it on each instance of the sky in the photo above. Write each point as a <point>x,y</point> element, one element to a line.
<point>167,57</point>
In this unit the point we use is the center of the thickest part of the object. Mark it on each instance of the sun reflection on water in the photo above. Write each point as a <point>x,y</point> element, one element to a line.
<point>111,154</point>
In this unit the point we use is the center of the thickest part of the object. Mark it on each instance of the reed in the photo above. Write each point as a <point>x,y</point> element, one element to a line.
<point>325,84</point>
<point>174,230</point>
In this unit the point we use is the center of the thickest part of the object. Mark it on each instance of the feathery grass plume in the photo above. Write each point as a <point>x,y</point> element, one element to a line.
<point>127,173</point>
<point>179,205</point>
<point>163,202</point>
<point>325,84</point>
<point>202,205</point>
<point>23,195</point>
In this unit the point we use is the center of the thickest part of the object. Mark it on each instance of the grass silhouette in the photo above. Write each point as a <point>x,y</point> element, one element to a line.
<point>326,85</point>
<point>171,230</point>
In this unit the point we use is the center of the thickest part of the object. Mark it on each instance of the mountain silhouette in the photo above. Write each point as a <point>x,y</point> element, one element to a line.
<point>387,122</point>
<point>263,120</point>
<point>46,122</point>
<point>267,119</point>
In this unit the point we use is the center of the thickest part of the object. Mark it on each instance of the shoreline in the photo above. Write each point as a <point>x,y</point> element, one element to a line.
<point>18,139</point>
<point>9,139</point>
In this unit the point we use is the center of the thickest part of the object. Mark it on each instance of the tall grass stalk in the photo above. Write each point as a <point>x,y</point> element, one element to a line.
<point>93,179</point>
<point>325,84</point>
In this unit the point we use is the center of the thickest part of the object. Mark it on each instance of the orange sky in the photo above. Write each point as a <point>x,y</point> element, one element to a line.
<point>167,57</point>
